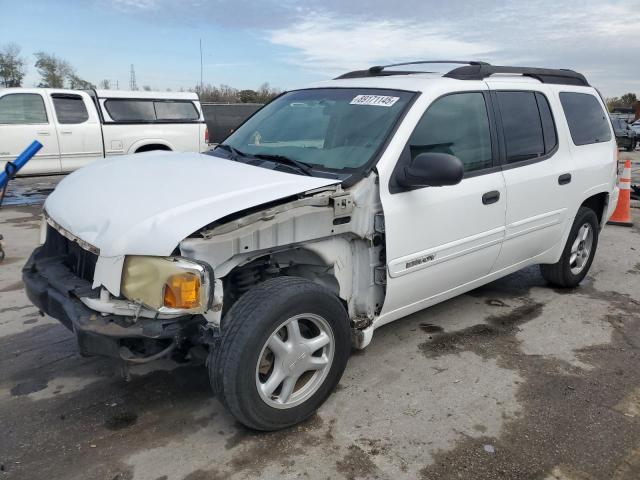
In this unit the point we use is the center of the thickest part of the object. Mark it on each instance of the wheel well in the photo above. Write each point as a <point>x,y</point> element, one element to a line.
<point>151,147</point>
<point>597,203</point>
<point>296,263</point>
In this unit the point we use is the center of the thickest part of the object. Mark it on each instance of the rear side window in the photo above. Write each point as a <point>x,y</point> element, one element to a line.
<point>70,109</point>
<point>124,110</point>
<point>22,108</point>
<point>456,124</point>
<point>588,122</point>
<point>176,111</point>
<point>130,110</point>
<point>521,125</point>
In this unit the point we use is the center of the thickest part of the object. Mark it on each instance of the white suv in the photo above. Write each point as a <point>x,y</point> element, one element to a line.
<point>330,212</point>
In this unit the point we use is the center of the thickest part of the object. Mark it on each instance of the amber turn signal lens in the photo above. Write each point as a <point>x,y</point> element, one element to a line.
<point>182,291</point>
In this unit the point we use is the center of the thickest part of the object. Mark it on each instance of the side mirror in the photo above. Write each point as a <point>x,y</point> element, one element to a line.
<point>431,170</point>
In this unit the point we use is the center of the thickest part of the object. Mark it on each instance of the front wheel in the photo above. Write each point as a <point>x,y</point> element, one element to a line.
<point>284,347</point>
<point>578,252</point>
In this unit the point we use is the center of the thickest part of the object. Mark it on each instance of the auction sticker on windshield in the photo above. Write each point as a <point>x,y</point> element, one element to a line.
<point>377,100</point>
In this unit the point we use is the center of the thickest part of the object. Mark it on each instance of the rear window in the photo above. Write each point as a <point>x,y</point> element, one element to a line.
<point>588,122</point>
<point>22,108</point>
<point>125,110</point>
<point>70,109</point>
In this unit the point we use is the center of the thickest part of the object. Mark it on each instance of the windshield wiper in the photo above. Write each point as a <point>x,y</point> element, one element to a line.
<point>301,166</point>
<point>235,154</point>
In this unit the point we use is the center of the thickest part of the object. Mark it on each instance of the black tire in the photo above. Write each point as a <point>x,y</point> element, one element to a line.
<point>559,274</point>
<point>249,324</point>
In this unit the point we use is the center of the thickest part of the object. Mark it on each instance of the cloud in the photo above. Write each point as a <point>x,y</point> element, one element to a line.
<point>328,44</point>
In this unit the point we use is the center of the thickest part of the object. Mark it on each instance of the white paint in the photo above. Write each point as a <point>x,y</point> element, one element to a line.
<point>147,203</point>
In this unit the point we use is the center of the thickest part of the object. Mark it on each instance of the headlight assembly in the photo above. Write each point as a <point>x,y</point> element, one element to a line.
<point>167,284</point>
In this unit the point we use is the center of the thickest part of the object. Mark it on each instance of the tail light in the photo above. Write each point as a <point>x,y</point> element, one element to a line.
<point>206,134</point>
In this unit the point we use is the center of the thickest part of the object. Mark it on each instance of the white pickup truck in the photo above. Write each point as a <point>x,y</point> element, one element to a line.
<point>76,127</point>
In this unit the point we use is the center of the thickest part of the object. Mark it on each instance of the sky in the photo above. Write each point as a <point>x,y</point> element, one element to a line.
<point>291,43</point>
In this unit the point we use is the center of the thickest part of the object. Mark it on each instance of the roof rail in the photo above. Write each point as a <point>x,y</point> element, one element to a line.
<point>544,75</point>
<point>378,70</point>
<point>475,70</point>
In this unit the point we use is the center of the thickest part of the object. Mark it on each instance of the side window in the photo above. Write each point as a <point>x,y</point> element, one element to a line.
<point>131,110</point>
<point>522,125</point>
<point>176,111</point>
<point>457,124</point>
<point>22,108</point>
<point>70,109</point>
<point>548,125</point>
<point>588,122</point>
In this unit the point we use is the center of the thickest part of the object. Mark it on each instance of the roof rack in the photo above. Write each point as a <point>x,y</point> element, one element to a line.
<point>379,70</point>
<point>475,70</point>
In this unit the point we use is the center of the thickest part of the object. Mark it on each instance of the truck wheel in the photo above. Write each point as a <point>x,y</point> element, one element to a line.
<point>286,345</point>
<point>578,253</point>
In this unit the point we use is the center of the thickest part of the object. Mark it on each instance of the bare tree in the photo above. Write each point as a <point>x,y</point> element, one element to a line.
<point>12,66</point>
<point>105,84</point>
<point>78,83</point>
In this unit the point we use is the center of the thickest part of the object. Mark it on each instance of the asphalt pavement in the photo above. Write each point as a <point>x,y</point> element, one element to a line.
<point>514,380</point>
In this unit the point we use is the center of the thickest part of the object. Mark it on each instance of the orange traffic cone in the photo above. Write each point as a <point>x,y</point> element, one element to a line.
<point>622,214</point>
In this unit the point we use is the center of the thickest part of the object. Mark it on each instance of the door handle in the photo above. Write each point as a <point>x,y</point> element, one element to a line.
<point>66,132</point>
<point>44,133</point>
<point>490,197</point>
<point>564,179</point>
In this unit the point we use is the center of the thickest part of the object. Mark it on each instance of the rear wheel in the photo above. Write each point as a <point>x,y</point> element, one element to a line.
<point>284,350</point>
<point>578,252</point>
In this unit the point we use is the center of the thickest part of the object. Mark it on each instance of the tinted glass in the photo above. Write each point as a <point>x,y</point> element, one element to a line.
<point>176,111</point>
<point>548,125</point>
<point>456,124</point>
<point>130,110</point>
<point>336,128</point>
<point>22,108</point>
<point>522,125</point>
<point>588,122</point>
<point>70,109</point>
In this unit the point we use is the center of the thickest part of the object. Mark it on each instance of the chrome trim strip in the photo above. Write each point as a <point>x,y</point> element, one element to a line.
<point>70,236</point>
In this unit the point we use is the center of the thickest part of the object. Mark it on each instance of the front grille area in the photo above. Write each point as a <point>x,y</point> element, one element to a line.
<point>80,261</point>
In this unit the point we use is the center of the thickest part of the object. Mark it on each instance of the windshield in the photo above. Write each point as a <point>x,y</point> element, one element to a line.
<point>332,128</point>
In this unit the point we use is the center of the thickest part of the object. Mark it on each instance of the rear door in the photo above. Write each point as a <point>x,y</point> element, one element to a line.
<point>79,130</point>
<point>538,170</point>
<point>24,117</point>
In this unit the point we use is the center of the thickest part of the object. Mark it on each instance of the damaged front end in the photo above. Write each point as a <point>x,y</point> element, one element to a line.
<point>58,280</point>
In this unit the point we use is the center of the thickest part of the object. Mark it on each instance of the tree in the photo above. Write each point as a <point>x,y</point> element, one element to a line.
<point>248,96</point>
<point>12,66</point>
<point>78,83</point>
<point>53,70</point>
<point>146,88</point>
<point>105,84</point>
<point>629,99</point>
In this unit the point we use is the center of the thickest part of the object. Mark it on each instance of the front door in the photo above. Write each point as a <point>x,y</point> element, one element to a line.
<point>23,119</point>
<point>440,239</point>
<point>79,130</point>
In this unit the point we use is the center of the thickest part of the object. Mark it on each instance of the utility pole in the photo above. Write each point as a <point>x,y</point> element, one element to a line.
<point>200,66</point>
<point>132,80</point>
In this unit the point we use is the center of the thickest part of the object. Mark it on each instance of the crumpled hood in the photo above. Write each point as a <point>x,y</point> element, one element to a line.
<point>145,204</point>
